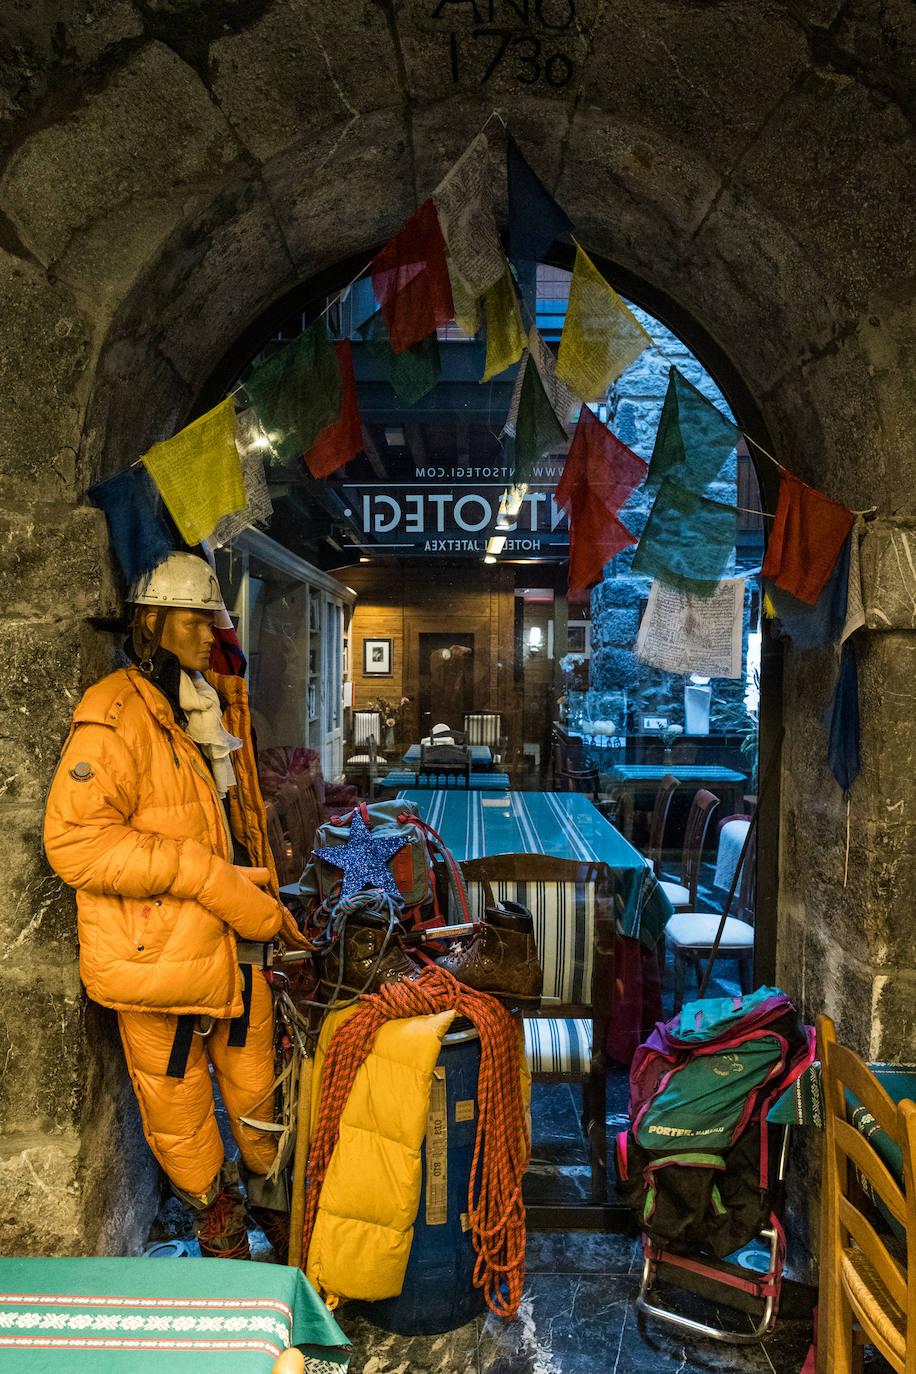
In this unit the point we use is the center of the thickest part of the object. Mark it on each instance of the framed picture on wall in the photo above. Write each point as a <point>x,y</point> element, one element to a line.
<point>377,658</point>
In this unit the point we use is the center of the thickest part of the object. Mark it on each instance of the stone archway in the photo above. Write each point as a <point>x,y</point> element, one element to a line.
<point>165,182</point>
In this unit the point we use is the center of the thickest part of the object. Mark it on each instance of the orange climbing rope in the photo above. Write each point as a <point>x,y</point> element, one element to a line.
<point>502,1146</point>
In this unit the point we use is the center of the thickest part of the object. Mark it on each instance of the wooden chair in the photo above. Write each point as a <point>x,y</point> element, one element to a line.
<point>367,728</point>
<point>683,895</point>
<point>865,1277</point>
<point>578,780</point>
<point>573,910</point>
<point>485,727</point>
<point>281,847</point>
<point>689,935</point>
<point>445,761</point>
<point>655,848</point>
<point>364,767</point>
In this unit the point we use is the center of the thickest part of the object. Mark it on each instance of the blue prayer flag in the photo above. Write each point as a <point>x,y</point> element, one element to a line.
<point>843,749</point>
<point>139,536</point>
<point>535,218</point>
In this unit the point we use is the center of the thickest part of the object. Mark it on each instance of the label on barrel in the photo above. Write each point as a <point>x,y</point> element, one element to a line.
<point>464,1111</point>
<point>437,1152</point>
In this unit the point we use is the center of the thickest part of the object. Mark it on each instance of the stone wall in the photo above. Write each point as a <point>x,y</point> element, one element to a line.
<point>171,171</point>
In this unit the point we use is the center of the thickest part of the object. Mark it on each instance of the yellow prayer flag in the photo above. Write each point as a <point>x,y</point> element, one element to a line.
<point>601,336</point>
<point>505,333</point>
<point>769,610</point>
<point>199,473</point>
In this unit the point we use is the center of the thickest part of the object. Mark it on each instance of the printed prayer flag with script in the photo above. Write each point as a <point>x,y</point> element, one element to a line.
<point>682,633</point>
<point>688,540</point>
<point>199,474</point>
<point>535,219</point>
<point>601,335</point>
<point>467,305</point>
<point>538,431</point>
<point>505,332</point>
<point>297,392</point>
<point>343,439</point>
<point>808,532</point>
<point>693,439</point>
<point>411,282</point>
<point>139,536</point>
<point>252,444</point>
<point>464,200</point>
<point>599,475</point>
<point>562,399</point>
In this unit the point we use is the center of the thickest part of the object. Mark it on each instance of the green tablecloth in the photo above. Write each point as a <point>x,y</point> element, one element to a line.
<point>151,1316</point>
<point>563,824</point>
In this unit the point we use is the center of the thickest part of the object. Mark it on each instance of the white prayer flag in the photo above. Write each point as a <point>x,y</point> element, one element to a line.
<point>464,200</point>
<point>681,633</point>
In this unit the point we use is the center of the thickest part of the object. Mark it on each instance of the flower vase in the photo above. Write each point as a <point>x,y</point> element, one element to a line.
<point>667,754</point>
<point>389,737</point>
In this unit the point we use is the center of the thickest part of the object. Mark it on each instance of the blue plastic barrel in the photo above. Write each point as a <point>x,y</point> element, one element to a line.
<point>438,1293</point>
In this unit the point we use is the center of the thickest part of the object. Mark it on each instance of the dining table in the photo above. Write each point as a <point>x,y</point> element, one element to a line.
<point>481,756</point>
<point>566,825</point>
<point>624,780</point>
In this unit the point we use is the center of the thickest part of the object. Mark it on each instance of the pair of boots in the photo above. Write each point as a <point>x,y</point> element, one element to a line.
<point>222,1227</point>
<point>500,958</point>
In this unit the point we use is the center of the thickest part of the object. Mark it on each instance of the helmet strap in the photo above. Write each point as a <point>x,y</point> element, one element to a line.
<point>145,641</point>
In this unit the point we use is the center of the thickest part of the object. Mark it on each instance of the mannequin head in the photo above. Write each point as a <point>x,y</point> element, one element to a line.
<point>188,634</point>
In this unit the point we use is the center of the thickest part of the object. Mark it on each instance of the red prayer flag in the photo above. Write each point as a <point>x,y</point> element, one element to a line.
<point>599,475</point>
<point>339,442</point>
<point>226,654</point>
<point>411,282</point>
<point>808,533</point>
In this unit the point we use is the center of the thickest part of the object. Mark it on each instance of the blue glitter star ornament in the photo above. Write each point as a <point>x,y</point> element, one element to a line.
<point>364,859</point>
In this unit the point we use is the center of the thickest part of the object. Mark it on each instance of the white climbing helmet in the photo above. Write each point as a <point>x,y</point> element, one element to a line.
<point>182,581</point>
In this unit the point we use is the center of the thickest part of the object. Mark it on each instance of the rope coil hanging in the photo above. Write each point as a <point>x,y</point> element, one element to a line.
<point>501,1148</point>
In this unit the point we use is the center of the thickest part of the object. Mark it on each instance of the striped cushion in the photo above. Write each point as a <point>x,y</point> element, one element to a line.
<point>564,931</point>
<point>482,728</point>
<point>558,1047</point>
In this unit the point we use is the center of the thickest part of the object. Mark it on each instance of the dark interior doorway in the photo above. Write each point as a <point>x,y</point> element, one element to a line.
<point>446,679</point>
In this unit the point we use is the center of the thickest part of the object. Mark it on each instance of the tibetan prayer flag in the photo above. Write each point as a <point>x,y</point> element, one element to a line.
<point>561,398</point>
<point>599,475</point>
<point>601,335</point>
<point>535,219</point>
<point>844,728</point>
<point>813,627</point>
<point>464,200</point>
<point>688,540</point>
<point>226,653</point>
<point>505,332</point>
<point>139,536</point>
<point>538,431</point>
<point>412,373</point>
<point>297,392</point>
<point>343,439</point>
<point>411,282</point>
<point>199,473</point>
<point>805,541</point>
<point>252,443</point>
<point>467,306</point>
<point>693,439</point>
<point>682,633</point>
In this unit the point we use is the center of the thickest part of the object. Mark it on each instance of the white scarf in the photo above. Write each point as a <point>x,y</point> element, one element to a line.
<point>200,703</point>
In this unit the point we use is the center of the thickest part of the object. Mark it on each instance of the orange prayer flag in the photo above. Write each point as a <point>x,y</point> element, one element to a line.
<point>805,542</point>
<point>411,282</point>
<point>339,442</point>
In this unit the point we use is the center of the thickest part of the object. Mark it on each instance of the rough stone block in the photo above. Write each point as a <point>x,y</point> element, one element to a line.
<point>37,912</point>
<point>55,564</point>
<point>43,351</point>
<point>300,66</point>
<point>93,194</point>
<point>615,626</point>
<point>614,670</point>
<point>40,685</point>
<point>40,1195</point>
<point>42,1046</point>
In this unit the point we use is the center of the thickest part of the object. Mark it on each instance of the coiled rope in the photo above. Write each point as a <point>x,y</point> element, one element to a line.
<point>501,1149</point>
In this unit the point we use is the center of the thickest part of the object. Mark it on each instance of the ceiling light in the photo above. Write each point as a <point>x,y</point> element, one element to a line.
<point>365,560</point>
<point>488,558</point>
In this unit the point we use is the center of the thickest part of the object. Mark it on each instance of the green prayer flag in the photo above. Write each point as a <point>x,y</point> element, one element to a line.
<point>688,540</point>
<point>297,392</point>
<point>537,429</point>
<point>412,373</point>
<point>693,440</point>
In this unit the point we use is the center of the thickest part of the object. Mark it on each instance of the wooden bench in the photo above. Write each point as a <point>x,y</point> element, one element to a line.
<point>432,782</point>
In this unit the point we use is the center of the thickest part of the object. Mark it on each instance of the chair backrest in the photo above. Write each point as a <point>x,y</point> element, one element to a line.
<point>483,727</point>
<point>579,780</point>
<point>698,818</point>
<point>570,902</point>
<point>855,1166</point>
<point>666,790</point>
<point>447,760</point>
<point>367,725</point>
<point>280,846</point>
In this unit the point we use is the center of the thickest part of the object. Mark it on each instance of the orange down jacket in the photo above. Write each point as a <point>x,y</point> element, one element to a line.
<point>134,823</point>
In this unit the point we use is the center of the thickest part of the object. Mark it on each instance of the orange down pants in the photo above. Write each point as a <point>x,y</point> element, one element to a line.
<point>178,1114</point>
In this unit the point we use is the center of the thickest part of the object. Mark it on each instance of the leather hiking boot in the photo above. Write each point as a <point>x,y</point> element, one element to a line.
<point>365,966</point>
<point>275,1226</point>
<point>501,957</point>
<point>221,1229</point>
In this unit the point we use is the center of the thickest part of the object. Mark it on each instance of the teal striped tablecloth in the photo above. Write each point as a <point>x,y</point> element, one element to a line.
<point>152,1316</point>
<point>687,772</point>
<point>563,824</point>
